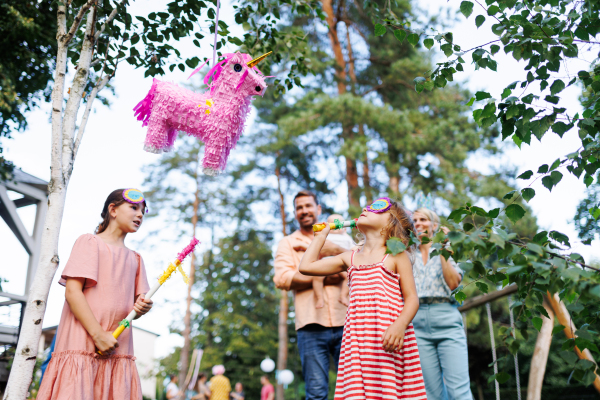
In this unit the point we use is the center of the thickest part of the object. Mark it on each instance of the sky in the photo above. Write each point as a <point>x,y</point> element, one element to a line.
<point>111,156</point>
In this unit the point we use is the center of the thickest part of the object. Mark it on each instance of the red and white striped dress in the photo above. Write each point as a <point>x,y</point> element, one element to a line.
<point>365,370</point>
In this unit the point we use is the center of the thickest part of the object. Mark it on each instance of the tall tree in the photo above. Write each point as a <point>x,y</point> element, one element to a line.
<point>282,326</point>
<point>181,166</point>
<point>236,327</point>
<point>360,107</point>
<point>94,37</point>
<point>333,19</point>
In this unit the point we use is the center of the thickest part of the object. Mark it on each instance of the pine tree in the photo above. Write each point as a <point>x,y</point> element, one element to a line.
<point>237,325</point>
<point>361,106</point>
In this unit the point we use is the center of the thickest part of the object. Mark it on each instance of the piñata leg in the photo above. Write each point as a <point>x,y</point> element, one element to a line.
<point>213,157</point>
<point>160,137</point>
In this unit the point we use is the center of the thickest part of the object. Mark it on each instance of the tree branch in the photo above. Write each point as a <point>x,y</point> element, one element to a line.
<point>477,47</point>
<point>77,21</point>
<point>74,101</point>
<point>585,41</point>
<point>88,108</point>
<point>112,16</point>
<point>581,264</point>
<point>381,86</point>
<point>348,22</point>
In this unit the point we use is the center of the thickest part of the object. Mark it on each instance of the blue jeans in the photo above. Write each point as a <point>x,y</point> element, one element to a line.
<point>315,344</point>
<point>443,352</point>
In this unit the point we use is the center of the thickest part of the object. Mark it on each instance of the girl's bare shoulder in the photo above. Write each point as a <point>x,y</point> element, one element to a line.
<point>401,261</point>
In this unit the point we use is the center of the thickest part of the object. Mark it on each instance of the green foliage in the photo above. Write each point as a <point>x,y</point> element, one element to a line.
<point>395,246</point>
<point>168,366</point>
<point>28,43</point>
<point>537,266</point>
<point>466,7</point>
<point>557,381</point>
<point>239,307</point>
<point>395,148</point>
<point>586,216</point>
<point>379,30</point>
<point>29,34</point>
<point>146,42</point>
<point>547,36</point>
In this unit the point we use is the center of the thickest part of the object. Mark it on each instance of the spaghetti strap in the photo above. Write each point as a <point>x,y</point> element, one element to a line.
<point>352,258</point>
<point>384,258</point>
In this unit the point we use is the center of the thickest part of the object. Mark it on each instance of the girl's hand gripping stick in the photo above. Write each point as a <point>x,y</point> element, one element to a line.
<point>126,323</point>
<point>335,225</point>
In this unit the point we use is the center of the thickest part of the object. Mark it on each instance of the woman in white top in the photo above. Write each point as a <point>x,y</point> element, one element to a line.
<point>438,324</point>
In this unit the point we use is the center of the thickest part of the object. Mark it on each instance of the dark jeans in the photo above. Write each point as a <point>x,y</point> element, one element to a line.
<point>316,343</point>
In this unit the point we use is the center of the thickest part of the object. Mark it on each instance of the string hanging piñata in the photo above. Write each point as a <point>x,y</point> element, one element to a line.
<point>126,323</point>
<point>217,116</point>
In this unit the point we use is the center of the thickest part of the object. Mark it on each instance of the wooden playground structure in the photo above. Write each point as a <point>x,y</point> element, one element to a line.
<point>556,309</point>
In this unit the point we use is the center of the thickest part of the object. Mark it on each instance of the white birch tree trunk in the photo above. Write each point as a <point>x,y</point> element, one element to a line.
<point>564,318</point>
<point>75,97</point>
<point>540,356</point>
<point>63,129</point>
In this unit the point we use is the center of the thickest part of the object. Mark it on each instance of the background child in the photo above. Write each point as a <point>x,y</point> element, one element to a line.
<point>342,239</point>
<point>378,340</point>
<point>104,280</point>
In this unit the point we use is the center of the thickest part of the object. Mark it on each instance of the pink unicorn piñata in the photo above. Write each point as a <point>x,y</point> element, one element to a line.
<point>216,117</point>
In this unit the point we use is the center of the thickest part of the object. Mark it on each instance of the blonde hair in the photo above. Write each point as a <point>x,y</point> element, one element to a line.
<point>430,215</point>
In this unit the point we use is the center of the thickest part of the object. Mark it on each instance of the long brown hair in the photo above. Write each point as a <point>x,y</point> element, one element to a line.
<point>116,198</point>
<point>400,225</point>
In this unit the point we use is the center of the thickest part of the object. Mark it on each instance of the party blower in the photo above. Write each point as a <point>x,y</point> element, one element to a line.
<point>337,224</point>
<point>126,323</point>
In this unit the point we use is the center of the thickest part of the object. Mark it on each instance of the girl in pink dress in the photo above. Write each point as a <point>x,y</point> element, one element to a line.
<point>379,358</point>
<point>104,280</point>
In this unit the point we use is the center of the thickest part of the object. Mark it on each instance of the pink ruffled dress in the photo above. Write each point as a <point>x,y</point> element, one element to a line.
<point>114,276</point>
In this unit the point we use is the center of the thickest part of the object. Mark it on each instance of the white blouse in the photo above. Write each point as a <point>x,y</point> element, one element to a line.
<point>429,278</point>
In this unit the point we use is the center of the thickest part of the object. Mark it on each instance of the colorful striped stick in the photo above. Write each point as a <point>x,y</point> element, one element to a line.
<point>126,323</point>
<point>335,225</point>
